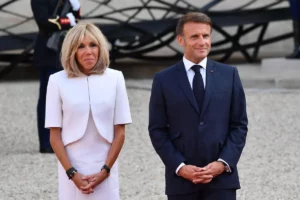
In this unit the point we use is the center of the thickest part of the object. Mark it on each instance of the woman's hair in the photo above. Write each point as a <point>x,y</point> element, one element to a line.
<point>71,43</point>
<point>196,17</point>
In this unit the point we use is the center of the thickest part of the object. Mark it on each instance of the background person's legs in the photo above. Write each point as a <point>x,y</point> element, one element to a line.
<point>295,11</point>
<point>44,133</point>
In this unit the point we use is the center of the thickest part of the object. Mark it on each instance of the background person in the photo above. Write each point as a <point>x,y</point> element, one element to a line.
<point>45,59</point>
<point>295,11</point>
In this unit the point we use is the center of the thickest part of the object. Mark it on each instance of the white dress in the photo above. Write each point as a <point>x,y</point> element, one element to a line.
<point>87,108</point>
<point>88,155</point>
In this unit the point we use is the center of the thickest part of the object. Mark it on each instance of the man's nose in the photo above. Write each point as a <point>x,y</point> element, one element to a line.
<point>201,40</point>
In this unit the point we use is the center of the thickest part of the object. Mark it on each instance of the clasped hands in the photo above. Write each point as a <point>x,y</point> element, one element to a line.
<point>201,175</point>
<point>86,184</point>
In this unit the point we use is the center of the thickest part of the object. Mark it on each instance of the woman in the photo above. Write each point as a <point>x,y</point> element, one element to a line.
<point>86,111</point>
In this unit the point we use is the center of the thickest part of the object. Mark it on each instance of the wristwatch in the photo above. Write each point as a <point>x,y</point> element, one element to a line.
<point>105,167</point>
<point>71,172</point>
<point>227,168</point>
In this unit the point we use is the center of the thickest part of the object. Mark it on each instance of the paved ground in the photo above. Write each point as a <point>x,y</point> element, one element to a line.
<point>269,167</point>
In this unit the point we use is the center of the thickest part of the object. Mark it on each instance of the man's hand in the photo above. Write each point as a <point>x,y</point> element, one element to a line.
<point>191,172</point>
<point>213,169</point>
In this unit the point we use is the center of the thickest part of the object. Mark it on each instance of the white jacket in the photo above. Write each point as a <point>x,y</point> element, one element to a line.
<point>69,101</point>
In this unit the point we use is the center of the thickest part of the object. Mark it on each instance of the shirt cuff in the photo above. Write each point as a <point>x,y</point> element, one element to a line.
<point>72,19</point>
<point>228,167</point>
<point>178,168</point>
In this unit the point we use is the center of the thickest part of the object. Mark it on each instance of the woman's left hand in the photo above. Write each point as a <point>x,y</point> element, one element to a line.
<point>94,179</point>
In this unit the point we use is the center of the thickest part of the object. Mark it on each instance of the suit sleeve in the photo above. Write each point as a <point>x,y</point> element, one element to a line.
<point>158,128</point>
<point>238,123</point>
<point>44,20</point>
<point>122,110</point>
<point>53,117</point>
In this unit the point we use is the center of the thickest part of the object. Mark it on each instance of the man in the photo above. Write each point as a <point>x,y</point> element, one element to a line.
<point>295,11</point>
<point>197,118</point>
<point>46,59</point>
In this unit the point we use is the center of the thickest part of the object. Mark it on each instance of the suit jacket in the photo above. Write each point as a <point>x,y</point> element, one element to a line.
<point>180,133</point>
<point>69,101</point>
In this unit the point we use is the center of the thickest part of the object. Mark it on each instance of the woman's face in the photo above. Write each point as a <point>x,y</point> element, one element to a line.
<point>87,55</point>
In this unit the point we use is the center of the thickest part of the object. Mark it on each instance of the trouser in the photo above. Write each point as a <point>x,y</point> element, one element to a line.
<point>207,195</point>
<point>295,9</point>
<point>44,134</point>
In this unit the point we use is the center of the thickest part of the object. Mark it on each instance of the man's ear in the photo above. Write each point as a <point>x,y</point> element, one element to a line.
<point>180,40</point>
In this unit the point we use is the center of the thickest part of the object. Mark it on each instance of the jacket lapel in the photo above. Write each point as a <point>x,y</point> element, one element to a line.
<point>209,87</point>
<point>185,85</point>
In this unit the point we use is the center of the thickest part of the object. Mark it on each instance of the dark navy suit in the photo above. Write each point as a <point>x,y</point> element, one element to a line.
<point>181,134</point>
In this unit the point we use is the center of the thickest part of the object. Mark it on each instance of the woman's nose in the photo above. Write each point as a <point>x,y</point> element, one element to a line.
<point>88,50</point>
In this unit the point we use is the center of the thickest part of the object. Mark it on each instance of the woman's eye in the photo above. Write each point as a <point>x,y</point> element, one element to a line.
<point>81,46</point>
<point>93,45</point>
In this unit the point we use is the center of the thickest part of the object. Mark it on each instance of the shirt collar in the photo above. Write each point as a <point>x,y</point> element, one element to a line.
<point>188,64</point>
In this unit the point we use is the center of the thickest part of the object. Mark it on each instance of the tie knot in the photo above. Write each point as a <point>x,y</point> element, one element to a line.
<point>196,68</point>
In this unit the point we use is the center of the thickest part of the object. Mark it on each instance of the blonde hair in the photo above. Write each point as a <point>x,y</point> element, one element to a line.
<point>71,43</point>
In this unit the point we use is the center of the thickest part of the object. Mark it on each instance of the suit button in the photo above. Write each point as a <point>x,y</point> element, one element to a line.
<point>201,123</point>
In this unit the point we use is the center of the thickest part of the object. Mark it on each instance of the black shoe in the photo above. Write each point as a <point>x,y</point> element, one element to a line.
<point>296,36</point>
<point>295,54</point>
<point>46,150</point>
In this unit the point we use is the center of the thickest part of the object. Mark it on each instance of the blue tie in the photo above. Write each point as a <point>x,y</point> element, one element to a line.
<point>198,86</point>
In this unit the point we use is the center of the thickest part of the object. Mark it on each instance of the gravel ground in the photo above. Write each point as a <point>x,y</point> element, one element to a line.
<point>269,167</point>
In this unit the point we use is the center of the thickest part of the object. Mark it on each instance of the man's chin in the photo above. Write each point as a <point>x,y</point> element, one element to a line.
<point>201,56</point>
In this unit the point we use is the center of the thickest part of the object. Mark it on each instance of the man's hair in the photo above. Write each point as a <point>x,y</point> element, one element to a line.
<point>196,17</point>
<point>70,46</point>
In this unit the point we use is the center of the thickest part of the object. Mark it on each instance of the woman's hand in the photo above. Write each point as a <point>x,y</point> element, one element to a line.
<point>80,182</point>
<point>94,180</point>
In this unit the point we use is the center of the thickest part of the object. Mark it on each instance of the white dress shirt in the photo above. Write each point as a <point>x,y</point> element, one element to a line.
<point>190,74</point>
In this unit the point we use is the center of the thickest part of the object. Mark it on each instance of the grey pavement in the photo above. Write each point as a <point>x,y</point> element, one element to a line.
<point>269,166</point>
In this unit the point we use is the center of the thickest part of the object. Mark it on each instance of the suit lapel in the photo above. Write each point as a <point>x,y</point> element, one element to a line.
<point>209,87</point>
<point>185,85</point>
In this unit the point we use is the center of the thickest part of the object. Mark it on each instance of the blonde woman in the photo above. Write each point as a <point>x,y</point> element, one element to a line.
<point>86,111</point>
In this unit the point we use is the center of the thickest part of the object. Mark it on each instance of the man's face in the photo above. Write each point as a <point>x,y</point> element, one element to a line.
<point>196,41</point>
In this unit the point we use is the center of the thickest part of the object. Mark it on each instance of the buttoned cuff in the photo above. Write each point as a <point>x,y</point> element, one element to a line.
<point>178,168</point>
<point>228,169</point>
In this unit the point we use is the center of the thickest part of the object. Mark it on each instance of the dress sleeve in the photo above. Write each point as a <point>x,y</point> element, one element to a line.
<point>122,110</point>
<point>53,116</point>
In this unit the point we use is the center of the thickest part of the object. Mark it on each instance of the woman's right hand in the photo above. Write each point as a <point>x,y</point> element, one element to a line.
<point>81,183</point>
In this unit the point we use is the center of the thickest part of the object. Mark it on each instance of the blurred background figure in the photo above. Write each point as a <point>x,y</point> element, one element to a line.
<point>295,10</point>
<point>50,19</point>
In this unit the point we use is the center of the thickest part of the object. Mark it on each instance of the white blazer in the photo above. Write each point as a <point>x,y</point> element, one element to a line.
<point>69,101</point>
